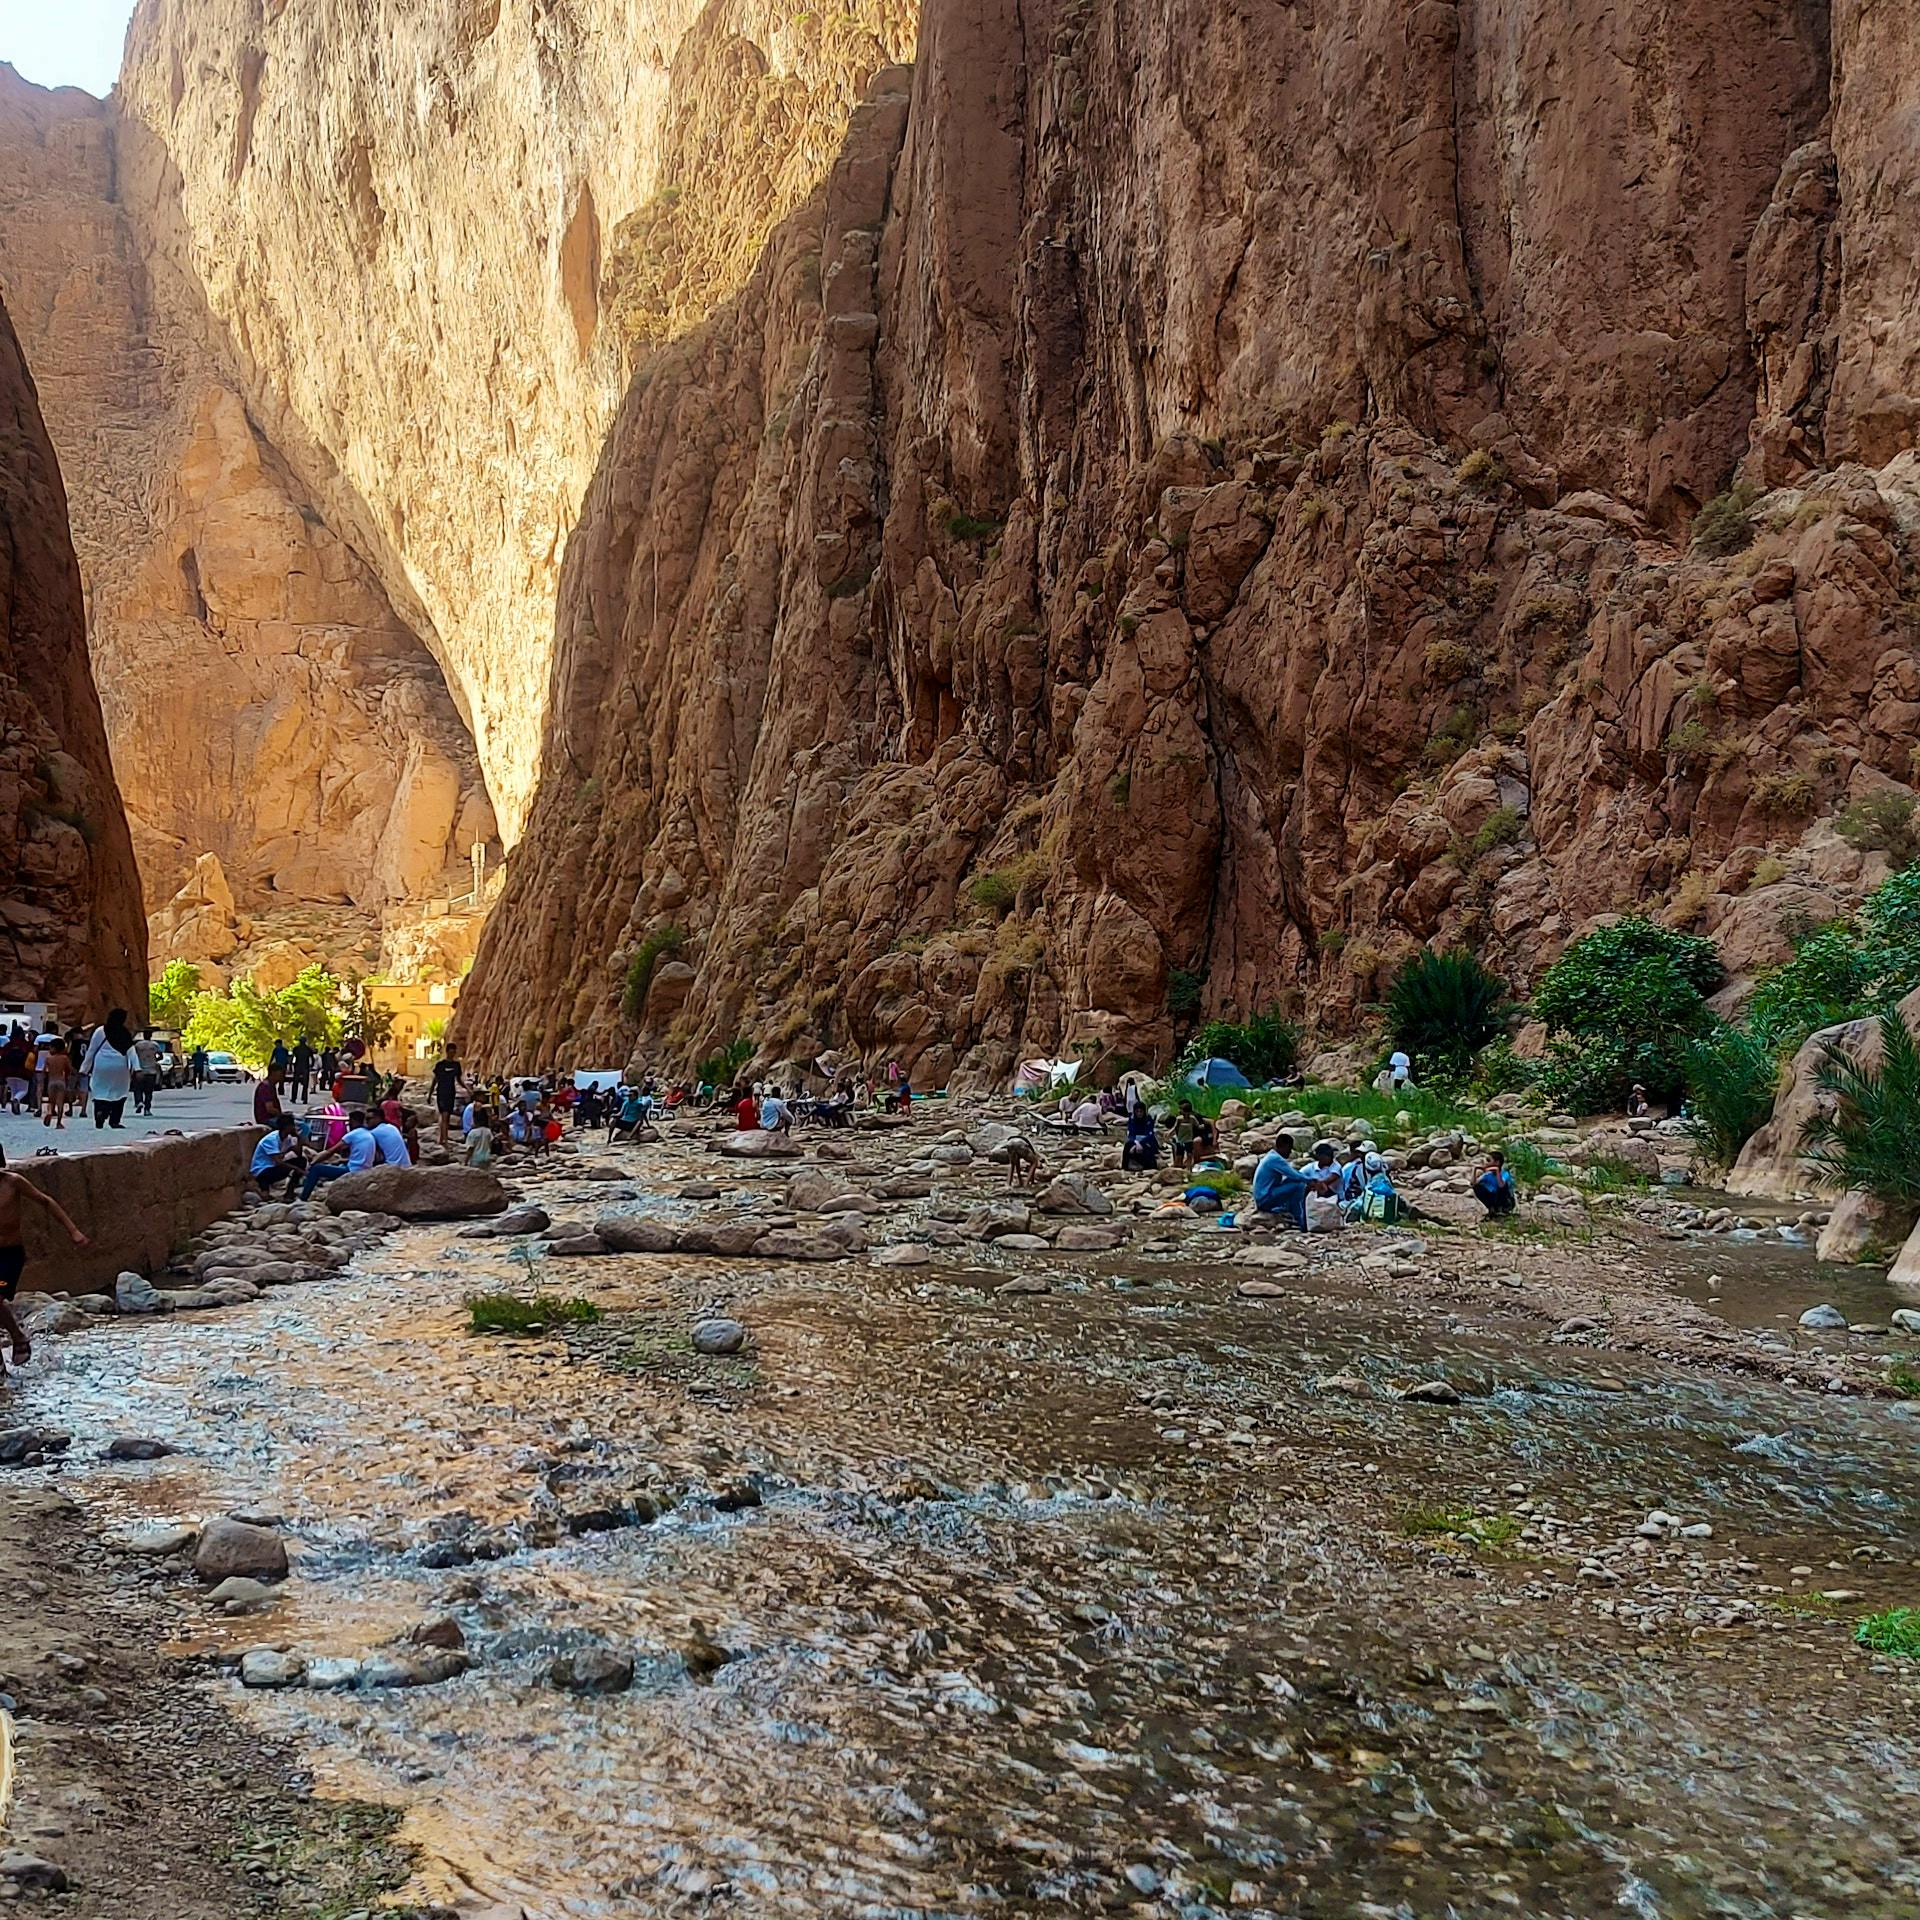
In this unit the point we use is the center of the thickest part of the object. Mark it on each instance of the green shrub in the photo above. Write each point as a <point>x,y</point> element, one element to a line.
<point>1500,1070</point>
<point>1480,469</point>
<point>1454,735</point>
<point>1867,1133</point>
<point>1444,1007</point>
<point>1731,1078</point>
<point>1790,792</point>
<point>1882,822</point>
<point>1725,524</point>
<point>508,1313</point>
<point>722,1067</point>
<point>1183,992</point>
<point>1620,1006</point>
<point>660,944</point>
<point>1500,828</point>
<point>1529,1164</point>
<point>1265,1047</point>
<point>1896,1631</point>
<point>1605,1174</point>
<point>1845,970</point>
<point>970,526</point>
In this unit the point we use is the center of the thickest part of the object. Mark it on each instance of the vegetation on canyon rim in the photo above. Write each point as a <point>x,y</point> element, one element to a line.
<point>248,1021</point>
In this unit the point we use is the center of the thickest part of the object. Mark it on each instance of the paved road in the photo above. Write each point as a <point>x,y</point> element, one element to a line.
<point>182,1109</point>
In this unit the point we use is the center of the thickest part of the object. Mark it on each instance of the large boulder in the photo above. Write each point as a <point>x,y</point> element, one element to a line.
<point>420,1193</point>
<point>229,1549</point>
<point>635,1233</point>
<point>1073,1193</point>
<point>758,1145</point>
<point>1770,1166</point>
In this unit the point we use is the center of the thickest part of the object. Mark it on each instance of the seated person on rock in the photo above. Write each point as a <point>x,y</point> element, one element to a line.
<point>278,1158</point>
<point>480,1137</point>
<point>1377,1200</point>
<point>1353,1175</point>
<point>356,1152</point>
<point>1493,1186</point>
<point>391,1144</point>
<point>746,1111</point>
<point>625,1120</point>
<point>776,1116</point>
<point>1142,1151</point>
<point>1323,1188</point>
<point>1637,1107</point>
<point>1086,1116</point>
<point>1279,1187</point>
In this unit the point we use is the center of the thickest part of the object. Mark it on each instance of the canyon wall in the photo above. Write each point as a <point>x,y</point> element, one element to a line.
<point>1209,499</point>
<point>266,705</point>
<point>431,232</point>
<point>71,930</point>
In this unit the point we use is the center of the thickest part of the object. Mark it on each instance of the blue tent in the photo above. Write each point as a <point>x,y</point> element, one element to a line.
<point>1215,1073</point>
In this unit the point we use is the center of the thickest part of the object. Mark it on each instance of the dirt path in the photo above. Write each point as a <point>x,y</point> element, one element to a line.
<point>137,1795</point>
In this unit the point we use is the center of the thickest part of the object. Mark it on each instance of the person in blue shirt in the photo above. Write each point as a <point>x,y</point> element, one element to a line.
<point>278,1157</point>
<point>357,1151</point>
<point>1493,1186</point>
<point>1279,1187</point>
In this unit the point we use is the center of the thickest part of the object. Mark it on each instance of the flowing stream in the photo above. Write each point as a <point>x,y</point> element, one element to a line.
<point>1125,1598</point>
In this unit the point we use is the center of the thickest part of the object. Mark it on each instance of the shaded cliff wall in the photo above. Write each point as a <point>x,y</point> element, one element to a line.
<point>431,231</point>
<point>265,703</point>
<point>1202,506</point>
<point>71,925</point>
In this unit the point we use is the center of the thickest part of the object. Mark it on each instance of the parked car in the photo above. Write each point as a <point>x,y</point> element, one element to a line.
<point>223,1066</point>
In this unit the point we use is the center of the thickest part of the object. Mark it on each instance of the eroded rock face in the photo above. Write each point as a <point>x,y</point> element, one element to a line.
<point>265,702</point>
<point>431,230</point>
<point>71,928</point>
<point>1211,497</point>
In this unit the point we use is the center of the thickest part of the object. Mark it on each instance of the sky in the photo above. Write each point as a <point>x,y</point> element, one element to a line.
<point>65,43</point>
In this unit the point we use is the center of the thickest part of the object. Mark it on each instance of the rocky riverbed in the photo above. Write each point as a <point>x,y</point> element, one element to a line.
<point>890,1543</point>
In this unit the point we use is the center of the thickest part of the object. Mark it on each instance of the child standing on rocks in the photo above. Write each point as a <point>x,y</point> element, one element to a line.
<point>13,1255</point>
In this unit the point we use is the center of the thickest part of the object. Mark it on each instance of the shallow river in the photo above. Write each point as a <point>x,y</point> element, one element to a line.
<point>1101,1601</point>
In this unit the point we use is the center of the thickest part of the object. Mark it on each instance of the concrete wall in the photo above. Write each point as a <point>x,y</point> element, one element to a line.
<point>139,1202</point>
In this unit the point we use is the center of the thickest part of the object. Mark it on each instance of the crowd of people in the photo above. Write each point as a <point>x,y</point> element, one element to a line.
<point>61,1074</point>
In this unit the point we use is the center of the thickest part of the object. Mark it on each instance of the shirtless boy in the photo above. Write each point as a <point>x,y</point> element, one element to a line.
<point>13,1256</point>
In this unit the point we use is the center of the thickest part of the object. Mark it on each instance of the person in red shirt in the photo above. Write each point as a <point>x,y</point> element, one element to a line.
<point>746,1114</point>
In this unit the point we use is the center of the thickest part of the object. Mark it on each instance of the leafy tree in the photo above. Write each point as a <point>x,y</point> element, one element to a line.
<point>1444,1007</point>
<point>1620,1006</point>
<point>1845,970</point>
<point>170,998</point>
<point>362,1017</point>
<point>248,1021</point>
<point>1867,1133</point>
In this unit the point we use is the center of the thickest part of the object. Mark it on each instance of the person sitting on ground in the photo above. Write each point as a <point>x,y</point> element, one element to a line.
<point>1377,1200</point>
<point>390,1108</point>
<point>1637,1108</point>
<point>1024,1165</point>
<point>1401,1067</point>
<point>356,1152</point>
<point>1186,1129</point>
<point>589,1110</point>
<point>1324,1178</point>
<point>1206,1137</point>
<point>277,1159</point>
<point>746,1111</point>
<point>1493,1186</point>
<point>410,1133</point>
<point>1142,1151</point>
<point>776,1116</point>
<point>1086,1116</point>
<point>480,1137</point>
<point>631,1115</point>
<point>1279,1187</point>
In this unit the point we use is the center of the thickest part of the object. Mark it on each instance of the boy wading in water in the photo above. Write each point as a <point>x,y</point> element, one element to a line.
<point>13,1255</point>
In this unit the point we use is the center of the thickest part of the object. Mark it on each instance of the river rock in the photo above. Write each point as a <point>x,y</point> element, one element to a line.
<point>812,1190</point>
<point>31,1874</point>
<point>1072,1193</point>
<point>427,1668</point>
<point>1022,1243</point>
<point>592,1670</point>
<point>1432,1393</point>
<point>758,1145</point>
<point>718,1337</point>
<point>227,1546</point>
<point>729,1238</point>
<point>514,1221</point>
<point>1265,1290</point>
<point>329,1673</point>
<point>635,1233</point>
<point>31,1446</point>
<point>1024,1283</point>
<point>995,1219</point>
<point>1284,1258</point>
<point>238,1594</point>
<point>134,1293</point>
<point>1826,1318</point>
<point>1084,1236</point>
<point>268,1667</point>
<point>420,1193</point>
<point>908,1253</point>
<point>138,1446</point>
<point>572,1245</point>
<point>798,1246</point>
<point>157,1542</point>
<point>1448,1209</point>
<point>1906,1320</point>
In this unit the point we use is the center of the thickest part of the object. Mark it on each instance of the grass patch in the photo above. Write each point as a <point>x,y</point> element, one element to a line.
<point>1801,1606</point>
<point>1490,1532</point>
<point>508,1313</point>
<point>1607,1175</point>
<point>1905,1382</point>
<point>1896,1631</point>
<point>342,1858</point>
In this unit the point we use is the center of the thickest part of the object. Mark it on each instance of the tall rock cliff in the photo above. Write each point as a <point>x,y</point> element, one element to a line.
<point>266,705</point>
<point>430,232</point>
<point>71,928</point>
<point>1210,498</point>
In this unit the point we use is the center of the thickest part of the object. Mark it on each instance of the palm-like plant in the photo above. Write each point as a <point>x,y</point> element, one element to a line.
<point>1867,1133</point>
<point>1731,1078</point>
<point>1444,1007</point>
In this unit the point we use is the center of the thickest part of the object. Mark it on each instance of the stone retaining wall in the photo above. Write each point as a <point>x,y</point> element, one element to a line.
<point>138,1202</point>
